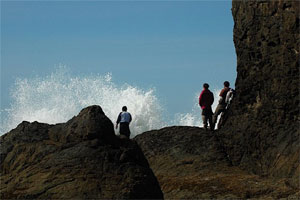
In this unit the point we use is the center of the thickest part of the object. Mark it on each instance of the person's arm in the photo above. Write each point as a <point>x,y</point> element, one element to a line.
<point>118,120</point>
<point>130,118</point>
<point>200,99</point>
<point>221,95</point>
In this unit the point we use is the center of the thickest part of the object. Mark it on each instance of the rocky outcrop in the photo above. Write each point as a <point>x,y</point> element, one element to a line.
<point>191,163</point>
<point>80,159</point>
<point>262,131</point>
<point>256,154</point>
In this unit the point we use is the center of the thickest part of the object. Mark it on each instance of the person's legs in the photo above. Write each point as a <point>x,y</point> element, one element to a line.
<point>205,114</point>
<point>222,119</point>
<point>210,119</point>
<point>204,119</point>
<point>124,129</point>
<point>217,112</point>
<point>219,109</point>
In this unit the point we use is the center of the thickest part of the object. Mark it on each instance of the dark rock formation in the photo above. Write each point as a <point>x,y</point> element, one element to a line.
<point>80,159</point>
<point>262,133</point>
<point>256,154</point>
<point>191,163</point>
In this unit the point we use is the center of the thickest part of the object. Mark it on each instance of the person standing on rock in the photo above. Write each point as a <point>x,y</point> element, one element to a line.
<point>206,99</point>
<point>221,108</point>
<point>124,120</point>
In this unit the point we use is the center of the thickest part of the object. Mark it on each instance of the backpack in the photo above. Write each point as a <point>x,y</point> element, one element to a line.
<point>229,96</point>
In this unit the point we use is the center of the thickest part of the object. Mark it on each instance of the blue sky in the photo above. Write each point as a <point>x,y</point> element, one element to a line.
<point>172,46</point>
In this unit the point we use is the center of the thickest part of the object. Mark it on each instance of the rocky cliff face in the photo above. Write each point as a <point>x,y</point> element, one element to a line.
<point>80,159</point>
<point>256,154</point>
<point>262,133</point>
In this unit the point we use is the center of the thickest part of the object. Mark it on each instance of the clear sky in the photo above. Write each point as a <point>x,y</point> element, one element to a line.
<point>172,46</point>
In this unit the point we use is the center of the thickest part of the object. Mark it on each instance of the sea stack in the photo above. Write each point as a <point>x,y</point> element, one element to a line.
<point>262,131</point>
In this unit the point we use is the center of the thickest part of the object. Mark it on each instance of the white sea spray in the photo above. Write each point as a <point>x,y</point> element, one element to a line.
<point>60,96</point>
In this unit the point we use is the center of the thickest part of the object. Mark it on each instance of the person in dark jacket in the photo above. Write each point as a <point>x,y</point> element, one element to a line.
<point>206,99</point>
<point>124,120</point>
<point>221,108</point>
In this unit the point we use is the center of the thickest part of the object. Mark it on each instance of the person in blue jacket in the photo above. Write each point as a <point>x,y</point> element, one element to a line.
<point>124,120</point>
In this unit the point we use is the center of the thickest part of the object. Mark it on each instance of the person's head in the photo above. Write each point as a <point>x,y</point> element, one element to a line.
<point>205,86</point>
<point>124,108</point>
<point>226,84</point>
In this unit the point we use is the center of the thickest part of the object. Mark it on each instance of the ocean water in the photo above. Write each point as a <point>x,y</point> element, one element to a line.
<point>60,96</point>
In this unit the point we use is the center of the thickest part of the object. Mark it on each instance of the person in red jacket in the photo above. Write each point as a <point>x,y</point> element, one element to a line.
<point>206,99</point>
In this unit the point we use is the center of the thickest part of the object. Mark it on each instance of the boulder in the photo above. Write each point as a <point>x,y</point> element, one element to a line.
<point>79,159</point>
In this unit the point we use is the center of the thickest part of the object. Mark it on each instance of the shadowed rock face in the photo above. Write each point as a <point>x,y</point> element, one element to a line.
<point>79,159</point>
<point>262,133</point>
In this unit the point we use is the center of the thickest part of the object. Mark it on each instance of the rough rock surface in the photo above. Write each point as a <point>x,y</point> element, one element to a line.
<point>80,159</point>
<point>262,134</point>
<point>191,163</point>
<point>256,154</point>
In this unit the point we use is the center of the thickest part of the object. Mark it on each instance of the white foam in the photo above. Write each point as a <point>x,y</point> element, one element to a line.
<point>194,117</point>
<point>60,96</point>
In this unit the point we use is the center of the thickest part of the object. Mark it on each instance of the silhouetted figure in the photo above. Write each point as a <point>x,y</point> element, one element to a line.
<point>206,99</point>
<point>124,119</point>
